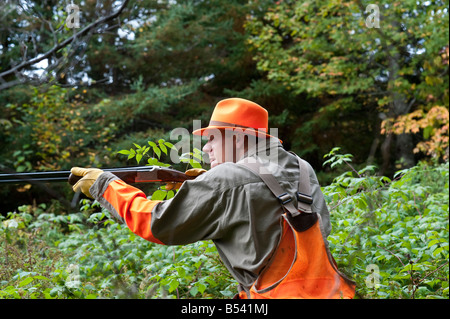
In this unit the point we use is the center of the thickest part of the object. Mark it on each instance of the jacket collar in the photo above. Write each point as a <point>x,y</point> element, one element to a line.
<point>268,147</point>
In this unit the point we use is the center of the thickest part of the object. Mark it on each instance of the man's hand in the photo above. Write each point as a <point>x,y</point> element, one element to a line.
<point>190,172</point>
<point>89,176</point>
<point>195,171</point>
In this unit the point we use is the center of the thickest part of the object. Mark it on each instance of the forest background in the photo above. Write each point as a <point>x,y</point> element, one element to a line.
<point>82,80</point>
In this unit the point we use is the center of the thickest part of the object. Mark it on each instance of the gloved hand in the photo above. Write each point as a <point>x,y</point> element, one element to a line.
<point>89,176</point>
<point>190,172</point>
<point>195,171</point>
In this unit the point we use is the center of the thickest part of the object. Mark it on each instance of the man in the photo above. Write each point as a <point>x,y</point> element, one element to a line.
<point>229,204</point>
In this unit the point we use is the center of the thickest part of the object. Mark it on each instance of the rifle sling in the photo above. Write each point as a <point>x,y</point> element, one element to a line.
<point>304,197</point>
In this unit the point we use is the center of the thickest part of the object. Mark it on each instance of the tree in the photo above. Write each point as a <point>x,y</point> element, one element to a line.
<point>165,64</point>
<point>34,31</point>
<point>174,66</point>
<point>333,51</point>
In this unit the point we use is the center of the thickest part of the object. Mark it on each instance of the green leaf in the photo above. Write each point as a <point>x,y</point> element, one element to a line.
<point>433,242</point>
<point>41,277</point>
<point>157,151</point>
<point>437,251</point>
<point>163,148</point>
<point>181,272</point>
<point>173,284</point>
<point>170,194</point>
<point>169,145</point>
<point>195,164</point>
<point>138,157</point>
<point>201,287</point>
<point>21,168</point>
<point>132,153</point>
<point>227,293</point>
<point>159,195</point>
<point>193,291</point>
<point>198,157</point>
<point>26,281</point>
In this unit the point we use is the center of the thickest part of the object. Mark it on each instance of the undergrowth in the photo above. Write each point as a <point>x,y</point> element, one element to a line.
<point>390,236</point>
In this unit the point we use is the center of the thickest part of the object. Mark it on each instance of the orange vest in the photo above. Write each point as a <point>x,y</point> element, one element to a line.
<point>302,266</point>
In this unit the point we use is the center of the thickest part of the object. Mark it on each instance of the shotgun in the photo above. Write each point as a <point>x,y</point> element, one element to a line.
<point>130,175</point>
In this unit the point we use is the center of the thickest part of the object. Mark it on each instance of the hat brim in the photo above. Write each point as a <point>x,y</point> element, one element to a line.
<point>204,131</point>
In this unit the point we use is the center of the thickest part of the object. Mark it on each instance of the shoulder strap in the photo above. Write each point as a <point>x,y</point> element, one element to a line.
<point>271,182</point>
<point>303,196</point>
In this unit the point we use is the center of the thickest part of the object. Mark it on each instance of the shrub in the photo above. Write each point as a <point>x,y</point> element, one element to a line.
<point>392,235</point>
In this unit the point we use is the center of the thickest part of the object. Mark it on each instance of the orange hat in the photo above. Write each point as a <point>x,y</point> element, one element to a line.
<point>238,113</point>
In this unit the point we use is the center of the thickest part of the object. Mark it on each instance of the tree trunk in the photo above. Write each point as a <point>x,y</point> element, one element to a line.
<point>404,148</point>
<point>403,142</point>
<point>399,106</point>
<point>386,154</point>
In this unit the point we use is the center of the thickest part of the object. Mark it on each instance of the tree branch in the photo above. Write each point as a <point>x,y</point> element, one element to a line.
<point>59,46</point>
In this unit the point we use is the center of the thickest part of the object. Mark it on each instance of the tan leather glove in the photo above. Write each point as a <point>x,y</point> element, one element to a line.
<point>195,171</point>
<point>89,176</point>
<point>190,172</point>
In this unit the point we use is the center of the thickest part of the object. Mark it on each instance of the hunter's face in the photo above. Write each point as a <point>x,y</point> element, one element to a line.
<point>215,149</point>
<point>221,147</point>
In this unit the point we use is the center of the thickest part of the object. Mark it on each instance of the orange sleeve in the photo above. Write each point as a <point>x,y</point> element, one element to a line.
<point>133,206</point>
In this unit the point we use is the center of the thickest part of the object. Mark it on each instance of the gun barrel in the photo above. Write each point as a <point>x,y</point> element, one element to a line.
<point>127,174</point>
<point>42,177</point>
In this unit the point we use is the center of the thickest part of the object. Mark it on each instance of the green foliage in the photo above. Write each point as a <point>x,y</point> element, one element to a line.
<point>31,267</point>
<point>325,78</point>
<point>139,151</point>
<point>336,158</point>
<point>51,129</point>
<point>163,151</point>
<point>327,48</point>
<point>397,228</point>
<point>390,236</point>
<point>172,67</point>
<point>355,74</point>
<point>89,255</point>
